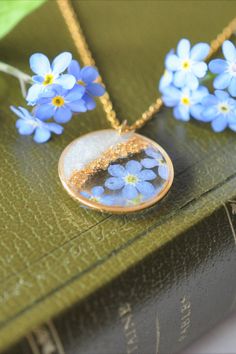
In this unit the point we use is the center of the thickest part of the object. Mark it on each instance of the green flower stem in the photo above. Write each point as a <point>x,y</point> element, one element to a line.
<point>209,76</point>
<point>20,75</point>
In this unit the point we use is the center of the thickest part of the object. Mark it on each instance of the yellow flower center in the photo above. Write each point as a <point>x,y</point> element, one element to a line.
<point>94,199</point>
<point>48,80</point>
<point>224,108</point>
<point>58,101</point>
<point>131,179</point>
<point>80,82</point>
<point>186,64</point>
<point>185,100</point>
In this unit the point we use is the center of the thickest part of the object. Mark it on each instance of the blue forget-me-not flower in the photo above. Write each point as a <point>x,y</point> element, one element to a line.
<point>97,195</point>
<point>155,159</point>
<point>225,68</point>
<point>220,110</point>
<point>131,179</point>
<point>48,74</point>
<point>187,64</point>
<point>60,103</point>
<point>27,124</point>
<point>186,102</point>
<point>86,77</point>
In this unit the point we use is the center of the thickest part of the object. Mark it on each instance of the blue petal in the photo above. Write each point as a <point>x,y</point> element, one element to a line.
<point>165,80</point>
<point>95,89</point>
<point>229,51</point>
<point>221,95</point>
<point>77,106</point>
<point>196,111</point>
<point>66,81</point>
<point>129,191</point>
<point>116,170</point>
<point>172,62</point>
<point>75,93</point>
<point>146,188</point>
<point>209,100</point>
<point>199,69</point>
<point>183,48</point>
<point>54,128</point>
<point>108,200</point>
<point>219,124</point>
<point>153,153</point>
<point>24,127</point>
<point>33,93</point>
<point>40,64</point>
<point>199,51</point>
<point>232,87</point>
<point>170,101</point>
<point>198,95</point>
<point>171,96</point>
<point>97,191</point>
<point>222,81</point>
<point>147,175</point>
<point>61,63</point>
<point>191,81</point>
<point>46,96</point>
<point>133,166</point>
<point>180,78</point>
<point>74,69</point>
<point>38,79</point>
<point>85,194</point>
<point>44,111</point>
<point>42,135</point>
<point>181,112</point>
<point>163,171</point>
<point>56,88</point>
<point>114,183</point>
<point>209,113</point>
<point>217,66</point>
<point>62,115</point>
<point>149,163</point>
<point>88,74</point>
<point>89,102</point>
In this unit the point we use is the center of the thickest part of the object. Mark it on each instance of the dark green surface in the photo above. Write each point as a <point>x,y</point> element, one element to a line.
<point>54,253</point>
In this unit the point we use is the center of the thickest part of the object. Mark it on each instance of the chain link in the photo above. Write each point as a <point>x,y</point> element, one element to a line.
<point>81,45</point>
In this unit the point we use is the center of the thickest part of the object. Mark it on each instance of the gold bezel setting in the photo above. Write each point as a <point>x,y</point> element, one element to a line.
<point>116,209</point>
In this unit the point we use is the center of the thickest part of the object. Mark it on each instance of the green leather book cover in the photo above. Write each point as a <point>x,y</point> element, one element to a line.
<point>55,253</point>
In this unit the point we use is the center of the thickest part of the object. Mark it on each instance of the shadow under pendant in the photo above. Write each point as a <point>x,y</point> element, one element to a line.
<point>115,173</point>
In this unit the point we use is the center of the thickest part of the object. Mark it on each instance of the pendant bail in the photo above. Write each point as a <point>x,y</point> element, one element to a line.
<point>123,127</point>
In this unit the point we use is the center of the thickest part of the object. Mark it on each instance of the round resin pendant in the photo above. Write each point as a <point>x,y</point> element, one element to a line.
<point>115,173</point>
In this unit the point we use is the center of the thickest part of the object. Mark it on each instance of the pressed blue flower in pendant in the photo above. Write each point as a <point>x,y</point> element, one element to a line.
<point>97,195</point>
<point>155,159</point>
<point>131,179</point>
<point>60,103</point>
<point>187,65</point>
<point>220,110</point>
<point>226,69</point>
<point>29,124</point>
<point>186,103</point>
<point>48,74</point>
<point>86,77</point>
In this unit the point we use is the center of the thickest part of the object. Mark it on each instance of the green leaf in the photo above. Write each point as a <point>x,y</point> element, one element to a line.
<point>13,11</point>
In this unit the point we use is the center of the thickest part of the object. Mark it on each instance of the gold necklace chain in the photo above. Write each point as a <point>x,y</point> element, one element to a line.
<point>81,45</point>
